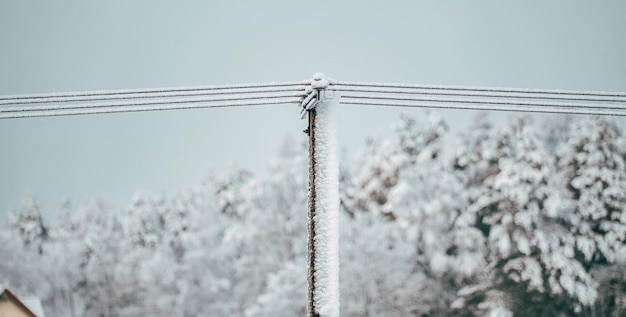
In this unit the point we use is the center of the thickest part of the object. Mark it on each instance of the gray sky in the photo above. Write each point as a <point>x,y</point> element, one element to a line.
<point>70,45</point>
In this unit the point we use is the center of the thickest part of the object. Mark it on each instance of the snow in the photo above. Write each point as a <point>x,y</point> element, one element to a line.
<point>34,304</point>
<point>422,234</point>
<point>326,240</point>
<point>320,81</point>
<point>305,103</point>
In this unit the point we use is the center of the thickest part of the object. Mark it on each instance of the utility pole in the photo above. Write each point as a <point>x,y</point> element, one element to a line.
<point>323,236</point>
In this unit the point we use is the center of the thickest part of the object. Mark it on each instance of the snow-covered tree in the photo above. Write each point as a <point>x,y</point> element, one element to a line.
<point>611,290</point>
<point>497,225</point>
<point>231,190</point>
<point>272,233</point>
<point>383,163</point>
<point>89,262</point>
<point>425,202</point>
<point>380,275</point>
<point>530,254</point>
<point>20,265</point>
<point>286,292</point>
<point>188,229</point>
<point>29,223</point>
<point>594,173</point>
<point>593,176</point>
<point>476,156</point>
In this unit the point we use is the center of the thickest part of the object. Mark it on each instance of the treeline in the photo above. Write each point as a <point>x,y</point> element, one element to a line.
<point>524,219</point>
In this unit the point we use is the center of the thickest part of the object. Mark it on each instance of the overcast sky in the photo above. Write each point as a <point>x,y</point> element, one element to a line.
<point>70,45</point>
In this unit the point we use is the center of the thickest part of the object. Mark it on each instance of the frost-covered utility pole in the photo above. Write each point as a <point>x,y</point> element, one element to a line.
<point>323,227</point>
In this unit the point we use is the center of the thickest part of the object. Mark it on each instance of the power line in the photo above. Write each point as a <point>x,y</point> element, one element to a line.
<point>67,99</point>
<point>169,105</point>
<point>138,100</point>
<point>486,106</point>
<point>484,89</point>
<point>539,96</point>
<point>371,94</point>
<point>14,98</point>
<point>563,105</point>
<point>482,98</point>
<point>140,103</point>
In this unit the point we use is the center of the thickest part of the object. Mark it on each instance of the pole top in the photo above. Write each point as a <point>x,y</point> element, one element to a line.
<point>320,81</point>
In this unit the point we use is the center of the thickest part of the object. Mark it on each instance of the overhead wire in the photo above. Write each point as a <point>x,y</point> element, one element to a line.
<point>484,89</point>
<point>353,93</point>
<point>479,94</point>
<point>487,101</point>
<point>149,90</point>
<point>23,108</point>
<point>143,96</point>
<point>486,107</point>
<point>482,98</point>
<point>168,105</point>
<point>137,100</point>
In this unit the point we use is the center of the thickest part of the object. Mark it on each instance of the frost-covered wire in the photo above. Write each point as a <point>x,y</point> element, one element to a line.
<point>354,93</point>
<point>491,101</point>
<point>157,101</point>
<point>487,106</point>
<point>150,95</point>
<point>167,105</point>
<point>482,98</point>
<point>538,96</point>
<point>16,98</point>
<point>482,89</point>
<point>136,100</point>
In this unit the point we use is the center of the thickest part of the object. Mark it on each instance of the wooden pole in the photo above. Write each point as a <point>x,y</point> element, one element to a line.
<point>323,215</point>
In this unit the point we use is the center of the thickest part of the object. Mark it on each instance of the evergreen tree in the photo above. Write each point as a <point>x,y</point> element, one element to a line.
<point>29,223</point>
<point>516,222</point>
<point>530,253</point>
<point>594,174</point>
<point>384,162</point>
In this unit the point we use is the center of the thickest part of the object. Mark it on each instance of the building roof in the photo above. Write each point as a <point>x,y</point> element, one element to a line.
<point>8,295</point>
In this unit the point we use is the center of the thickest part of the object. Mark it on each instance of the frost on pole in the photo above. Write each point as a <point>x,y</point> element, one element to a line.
<point>325,192</point>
